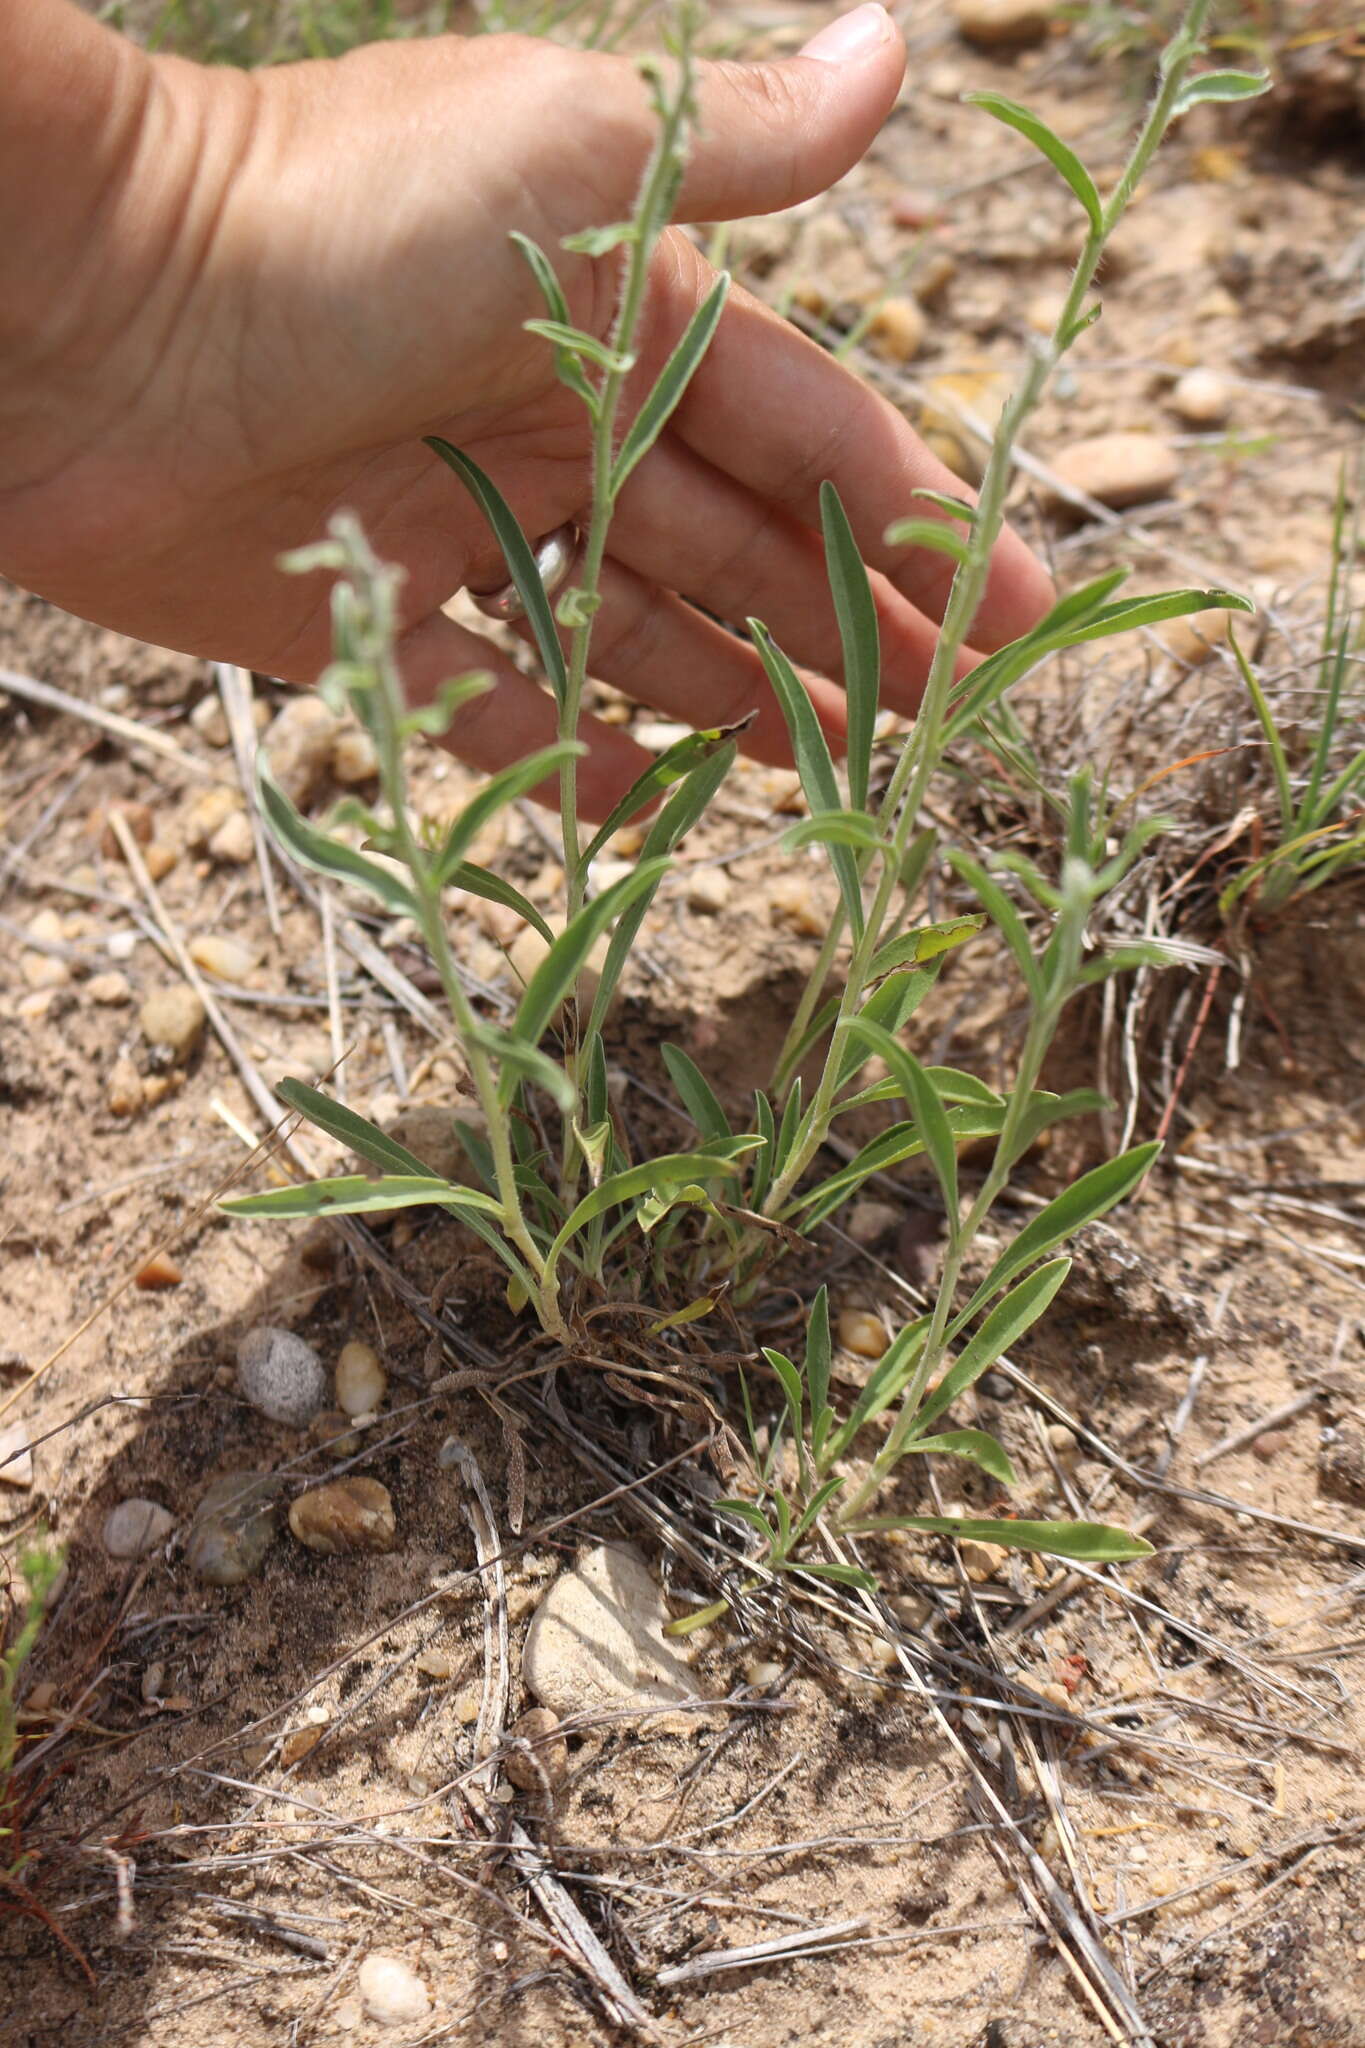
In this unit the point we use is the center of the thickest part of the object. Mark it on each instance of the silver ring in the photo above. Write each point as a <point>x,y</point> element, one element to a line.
<point>555,553</point>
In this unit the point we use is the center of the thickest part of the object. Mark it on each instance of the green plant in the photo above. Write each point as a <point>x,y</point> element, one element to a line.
<point>573,1217</point>
<point>1318,834</point>
<point>39,1570</point>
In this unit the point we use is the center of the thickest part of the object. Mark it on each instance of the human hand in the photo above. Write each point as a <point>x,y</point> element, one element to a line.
<point>307,269</point>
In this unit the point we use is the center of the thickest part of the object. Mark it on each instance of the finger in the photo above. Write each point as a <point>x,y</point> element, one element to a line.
<point>514,718</point>
<point>780,416</point>
<point>681,523</point>
<point>663,652</point>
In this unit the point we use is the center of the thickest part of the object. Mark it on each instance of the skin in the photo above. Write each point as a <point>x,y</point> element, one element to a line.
<point>232,304</point>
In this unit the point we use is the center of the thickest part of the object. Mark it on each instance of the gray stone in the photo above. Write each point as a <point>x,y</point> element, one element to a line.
<point>281,1375</point>
<point>596,1641</point>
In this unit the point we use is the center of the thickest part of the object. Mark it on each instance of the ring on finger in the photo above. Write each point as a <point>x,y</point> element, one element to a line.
<point>555,555</point>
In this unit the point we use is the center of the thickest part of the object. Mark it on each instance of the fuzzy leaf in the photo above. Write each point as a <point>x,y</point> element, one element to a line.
<point>1093,1195</point>
<point>674,378</point>
<point>857,616</point>
<point>521,562</point>
<point>813,760</point>
<point>1004,1326</point>
<point>1035,130</point>
<point>1089,1542</point>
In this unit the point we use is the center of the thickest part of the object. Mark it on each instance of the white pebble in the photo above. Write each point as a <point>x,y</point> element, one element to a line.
<point>708,890</point>
<point>16,1457</point>
<point>232,842</point>
<point>393,1993</point>
<point>225,959</point>
<point>360,1379</point>
<point>1202,398</point>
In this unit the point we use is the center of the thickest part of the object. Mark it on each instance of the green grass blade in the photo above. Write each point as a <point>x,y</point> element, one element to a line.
<point>1005,1325</point>
<point>673,765</point>
<point>927,1110</point>
<point>650,1177</point>
<point>695,1093</point>
<point>1092,1196</point>
<point>326,855</point>
<point>1035,130</point>
<point>814,762</point>
<point>560,969</point>
<point>349,1128</point>
<point>977,1444</point>
<point>857,616</point>
<point>1086,1542</point>
<point>674,378</point>
<point>476,881</point>
<point>355,1194</point>
<point>503,788</point>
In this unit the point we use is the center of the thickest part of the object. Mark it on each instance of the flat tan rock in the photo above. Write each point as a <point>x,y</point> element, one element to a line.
<point>1119,469</point>
<point>596,1641</point>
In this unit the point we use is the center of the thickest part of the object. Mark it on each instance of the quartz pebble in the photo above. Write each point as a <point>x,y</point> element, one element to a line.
<point>345,1515</point>
<point>708,890</point>
<point>209,720</point>
<point>172,1019</point>
<point>1202,398</point>
<point>16,1456</point>
<point>208,813</point>
<point>236,1523</point>
<point>353,757</point>
<point>224,959</point>
<point>794,900</point>
<point>435,1663</point>
<point>44,970</point>
<point>135,1527</point>
<point>860,1332</point>
<point>545,1758</point>
<point>109,990</point>
<point>897,330</point>
<point>1119,469</point>
<point>1001,24</point>
<point>762,1672</point>
<point>298,745</point>
<point>393,1994</point>
<point>360,1379</point>
<point>281,1375</point>
<point>1062,1443</point>
<point>232,843</point>
<point>596,1641</point>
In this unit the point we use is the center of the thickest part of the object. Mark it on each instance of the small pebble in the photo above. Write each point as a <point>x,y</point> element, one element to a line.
<point>1272,1445</point>
<point>233,843</point>
<point>173,1020</point>
<point>795,902</point>
<point>297,1745</point>
<point>1063,1444</point>
<point>298,745</point>
<point>159,1273</point>
<point>110,990</point>
<point>209,720</point>
<point>1119,469</point>
<point>236,1523</point>
<point>658,734</point>
<point>897,330</point>
<point>597,1639</point>
<point>153,1683</point>
<point>1195,638</point>
<point>392,1993</point>
<point>137,817</point>
<point>354,758</point>
<point>225,959</point>
<point>360,1379</point>
<point>435,1663</point>
<point>762,1672</point>
<point>860,1332</point>
<point>208,813</point>
<point>44,970</point>
<point>16,1456</point>
<point>708,890</point>
<point>281,1375</point>
<point>125,1094</point>
<point>43,1697</point>
<point>546,1760</point>
<point>345,1515</point>
<point>333,1431</point>
<point>912,1610</point>
<point>868,1222</point>
<point>135,1527</point>
<point>1001,24</point>
<point>981,1561</point>
<point>159,859</point>
<point>1202,398</point>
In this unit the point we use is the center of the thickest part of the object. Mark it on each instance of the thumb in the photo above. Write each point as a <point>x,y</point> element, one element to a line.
<point>771,134</point>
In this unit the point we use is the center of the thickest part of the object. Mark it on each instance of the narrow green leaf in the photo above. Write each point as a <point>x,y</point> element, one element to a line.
<point>567,366</point>
<point>925,1107</point>
<point>695,1093</point>
<point>926,943</point>
<point>521,562</point>
<point>1036,131</point>
<point>819,1352</point>
<point>952,508</point>
<point>788,1128</point>
<point>754,1516</point>
<point>836,828</point>
<point>617,234</point>
<point>928,533</point>
<point>1003,914</point>
<point>892,1006</point>
<point>1045,1110</point>
<point>318,850</point>
<point>577,342</point>
<point>1093,1195</point>
<point>476,881</point>
<point>818,1501</point>
<point>978,1445</point>
<point>674,378</point>
<point>857,616</point>
<point>349,1128</point>
<point>689,1624</point>
<point>559,970</point>
<point>813,760</point>
<point>522,1061</point>
<point>501,789</point>
<point>672,766</point>
<point>838,1574</point>
<point>761,1175</point>
<point>1088,1542</point>
<point>649,1177</point>
<point>1004,1326</point>
<point>1220,85</point>
<point>889,1376</point>
<point>792,1388</point>
<point>355,1194</point>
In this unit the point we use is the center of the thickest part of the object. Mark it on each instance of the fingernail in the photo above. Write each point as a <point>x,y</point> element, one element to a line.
<point>850,36</point>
